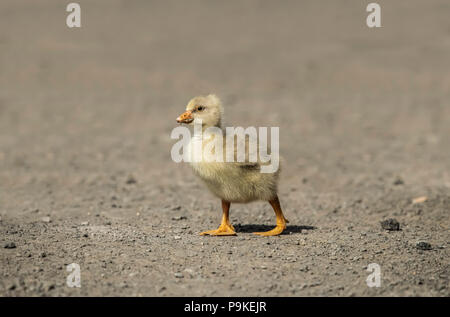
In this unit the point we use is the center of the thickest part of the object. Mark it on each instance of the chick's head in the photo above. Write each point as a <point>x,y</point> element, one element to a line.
<point>208,109</point>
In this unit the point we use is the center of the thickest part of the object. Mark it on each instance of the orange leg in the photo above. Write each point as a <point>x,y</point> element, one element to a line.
<point>225,228</point>
<point>281,221</point>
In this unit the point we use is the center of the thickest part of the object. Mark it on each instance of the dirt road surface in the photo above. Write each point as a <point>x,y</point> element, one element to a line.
<point>86,175</point>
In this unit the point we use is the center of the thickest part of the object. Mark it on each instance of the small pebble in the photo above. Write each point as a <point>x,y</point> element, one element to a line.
<point>131,180</point>
<point>46,219</point>
<point>10,245</point>
<point>419,200</point>
<point>179,218</point>
<point>390,224</point>
<point>179,275</point>
<point>422,245</point>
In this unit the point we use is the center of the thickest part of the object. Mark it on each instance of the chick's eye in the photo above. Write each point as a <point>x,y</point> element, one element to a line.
<point>200,108</point>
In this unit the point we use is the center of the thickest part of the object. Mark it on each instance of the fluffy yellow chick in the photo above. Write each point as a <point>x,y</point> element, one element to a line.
<point>232,182</point>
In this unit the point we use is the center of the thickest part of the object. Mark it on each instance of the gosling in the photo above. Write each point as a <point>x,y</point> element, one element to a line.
<point>232,182</point>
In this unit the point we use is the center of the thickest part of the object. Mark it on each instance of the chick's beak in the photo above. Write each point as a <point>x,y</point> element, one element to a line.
<point>185,117</point>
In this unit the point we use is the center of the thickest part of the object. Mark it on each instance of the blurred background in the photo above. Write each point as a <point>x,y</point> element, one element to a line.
<point>86,113</point>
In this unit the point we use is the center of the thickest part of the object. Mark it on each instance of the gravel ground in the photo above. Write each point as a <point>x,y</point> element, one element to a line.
<point>86,175</point>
